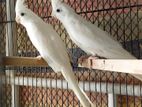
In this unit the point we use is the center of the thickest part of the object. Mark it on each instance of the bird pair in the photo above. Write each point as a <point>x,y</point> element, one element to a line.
<point>87,36</point>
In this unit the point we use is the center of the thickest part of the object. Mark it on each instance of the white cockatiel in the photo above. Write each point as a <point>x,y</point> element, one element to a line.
<point>88,36</point>
<point>50,47</point>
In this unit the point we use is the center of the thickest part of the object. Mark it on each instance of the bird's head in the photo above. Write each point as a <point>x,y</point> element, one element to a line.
<point>23,14</point>
<point>60,9</point>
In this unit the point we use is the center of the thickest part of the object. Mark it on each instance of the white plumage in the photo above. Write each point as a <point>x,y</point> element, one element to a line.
<point>88,36</point>
<point>50,47</point>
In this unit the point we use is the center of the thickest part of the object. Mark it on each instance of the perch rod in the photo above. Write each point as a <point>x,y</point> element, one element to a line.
<point>133,66</point>
<point>22,61</point>
<point>117,65</point>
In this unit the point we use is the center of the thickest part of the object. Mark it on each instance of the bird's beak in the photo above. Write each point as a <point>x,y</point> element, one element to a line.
<point>17,19</point>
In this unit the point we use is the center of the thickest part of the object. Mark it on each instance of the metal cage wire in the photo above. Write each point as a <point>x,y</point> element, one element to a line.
<point>41,87</point>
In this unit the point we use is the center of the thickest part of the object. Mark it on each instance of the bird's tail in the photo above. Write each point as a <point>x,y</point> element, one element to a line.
<point>73,84</point>
<point>138,76</point>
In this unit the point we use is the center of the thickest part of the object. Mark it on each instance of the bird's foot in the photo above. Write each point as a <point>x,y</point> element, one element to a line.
<point>39,57</point>
<point>82,59</point>
<point>90,61</point>
<point>87,60</point>
<point>91,58</point>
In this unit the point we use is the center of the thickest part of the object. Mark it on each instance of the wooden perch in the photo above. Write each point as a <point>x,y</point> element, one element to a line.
<point>124,66</point>
<point>23,61</point>
<point>115,65</point>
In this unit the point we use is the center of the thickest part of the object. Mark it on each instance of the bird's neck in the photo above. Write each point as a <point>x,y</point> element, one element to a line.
<point>69,19</point>
<point>30,23</point>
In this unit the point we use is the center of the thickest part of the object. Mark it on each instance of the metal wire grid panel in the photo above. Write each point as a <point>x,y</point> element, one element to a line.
<point>2,27</point>
<point>41,87</point>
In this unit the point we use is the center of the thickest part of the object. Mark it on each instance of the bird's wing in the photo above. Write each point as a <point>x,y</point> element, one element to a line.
<point>56,50</point>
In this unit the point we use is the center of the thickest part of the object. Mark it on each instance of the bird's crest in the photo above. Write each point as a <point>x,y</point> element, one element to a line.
<point>56,2</point>
<point>20,4</point>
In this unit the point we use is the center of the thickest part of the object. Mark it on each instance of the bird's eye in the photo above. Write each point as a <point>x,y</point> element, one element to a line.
<point>22,14</point>
<point>58,10</point>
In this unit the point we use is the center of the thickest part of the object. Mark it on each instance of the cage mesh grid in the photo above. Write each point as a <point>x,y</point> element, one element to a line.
<point>5,88</point>
<point>2,27</point>
<point>122,19</point>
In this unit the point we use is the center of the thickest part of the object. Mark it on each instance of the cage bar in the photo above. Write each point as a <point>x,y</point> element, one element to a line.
<point>11,50</point>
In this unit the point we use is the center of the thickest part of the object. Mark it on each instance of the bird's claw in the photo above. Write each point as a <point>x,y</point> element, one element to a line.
<point>82,59</point>
<point>39,57</point>
<point>88,59</point>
